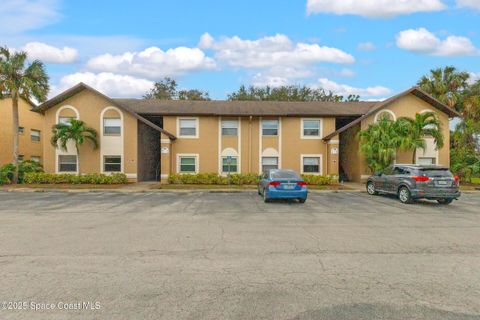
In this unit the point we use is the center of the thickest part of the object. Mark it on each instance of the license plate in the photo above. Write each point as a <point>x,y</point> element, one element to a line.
<point>289,186</point>
<point>442,183</point>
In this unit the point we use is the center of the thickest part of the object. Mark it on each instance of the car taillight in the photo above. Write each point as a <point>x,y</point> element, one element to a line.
<point>457,179</point>
<point>421,178</point>
<point>274,183</point>
<point>301,183</point>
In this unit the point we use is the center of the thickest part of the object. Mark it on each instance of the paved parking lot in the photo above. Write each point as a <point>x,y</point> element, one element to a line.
<point>230,256</point>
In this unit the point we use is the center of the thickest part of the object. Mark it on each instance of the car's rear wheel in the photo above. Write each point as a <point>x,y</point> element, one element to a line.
<point>265,196</point>
<point>445,201</point>
<point>404,195</point>
<point>371,188</point>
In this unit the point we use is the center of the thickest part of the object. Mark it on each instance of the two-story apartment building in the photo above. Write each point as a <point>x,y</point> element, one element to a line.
<point>150,139</point>
<point>30,142</point>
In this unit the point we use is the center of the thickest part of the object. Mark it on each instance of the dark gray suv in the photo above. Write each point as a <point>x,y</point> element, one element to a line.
<point>411,182</point>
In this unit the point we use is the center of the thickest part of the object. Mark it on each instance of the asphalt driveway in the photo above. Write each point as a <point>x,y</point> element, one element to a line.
<point>230,256</point>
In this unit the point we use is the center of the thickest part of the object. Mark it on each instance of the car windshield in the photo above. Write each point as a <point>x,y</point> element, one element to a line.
<point>436,172</point>
<point>285,175</point>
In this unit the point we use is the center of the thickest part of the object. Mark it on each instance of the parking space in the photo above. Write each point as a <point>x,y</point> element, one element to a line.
<point>199,255</point>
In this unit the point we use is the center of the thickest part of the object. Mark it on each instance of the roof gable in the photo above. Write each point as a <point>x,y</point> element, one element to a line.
<point>383,104</point>
<point>81,87</point>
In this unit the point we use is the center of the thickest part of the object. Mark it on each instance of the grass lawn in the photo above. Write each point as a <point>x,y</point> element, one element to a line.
<point>475,181</point>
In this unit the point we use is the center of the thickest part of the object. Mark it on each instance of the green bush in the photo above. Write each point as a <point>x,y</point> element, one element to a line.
<point>213,178</point>
<point>64,178</point>
<point>27,166</point>
<point>311,179</point>
<point>236,179</point>
<point>4,178</point>
<point>475,180</point>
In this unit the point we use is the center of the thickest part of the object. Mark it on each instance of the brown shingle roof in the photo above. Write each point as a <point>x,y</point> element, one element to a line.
<point>246,108</point>
<point>380,105</point>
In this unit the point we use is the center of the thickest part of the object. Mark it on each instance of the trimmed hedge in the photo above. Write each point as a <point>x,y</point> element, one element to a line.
<point>64,178</point>
<point>213,178</point>
<point>475,180</point>
<point>236,179</point>
<point>28,166</point>
<point>311,179</point>
<point>4,178</point>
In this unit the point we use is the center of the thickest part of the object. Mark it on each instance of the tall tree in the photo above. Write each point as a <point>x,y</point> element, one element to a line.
<point>76,131</point>
<point>167,89</point>
<point>447,85</point>
<point>412,132</point>
<point>286,93</point>
<point>20,79</point>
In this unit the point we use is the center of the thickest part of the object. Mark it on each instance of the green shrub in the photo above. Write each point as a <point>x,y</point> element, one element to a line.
<point>311,179</point>
<point>237,179</point>
<point>475,180</point>
<point>4,178</point>
<point>64,178</point>
<point>213,178</point>
<point>27,166</point>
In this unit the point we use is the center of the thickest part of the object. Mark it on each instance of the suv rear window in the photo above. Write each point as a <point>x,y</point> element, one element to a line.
<point>285,175</point>
<point>436,172</point>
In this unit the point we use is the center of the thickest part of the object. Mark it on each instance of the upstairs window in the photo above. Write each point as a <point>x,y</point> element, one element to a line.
<point>112,126</point>
<point>188,128</point>
<point>65,120</point>
<point>270,127</point>
<point>21,130</point>
<point>35,135</point>
<point>229,127</point>
<point>311,128</point>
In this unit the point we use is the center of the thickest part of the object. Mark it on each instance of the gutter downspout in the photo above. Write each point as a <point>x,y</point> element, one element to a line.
<point>250,144</point>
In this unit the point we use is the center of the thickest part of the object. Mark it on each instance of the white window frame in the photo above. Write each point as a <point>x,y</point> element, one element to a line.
<point>197,127</point>
<point>32,135</point>
<point>67,155</point>
<point>320,129</point>
<point>270,135</point>
<point>312,156</point>
<point>104,119</point>
<point>225,157</point>
<point>261,162</point>
<point>188,155</point>
<point>65,122</point>
<point>225,127</point>
<point>111,156</point>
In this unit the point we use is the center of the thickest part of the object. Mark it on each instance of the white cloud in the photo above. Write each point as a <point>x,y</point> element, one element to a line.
<point>272,51</point>
<point>112,85</point>
<point>474,77</point>
<point>374,8</point>
<point>17,16</point>
<point>50,54</point>
<point>423,41</point>
<point>472,4</point>
<point>366,46</point>
<point>153,62</point>
<point>345,90</point>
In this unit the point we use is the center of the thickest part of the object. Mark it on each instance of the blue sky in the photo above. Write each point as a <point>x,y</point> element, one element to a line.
<point>374,48</point>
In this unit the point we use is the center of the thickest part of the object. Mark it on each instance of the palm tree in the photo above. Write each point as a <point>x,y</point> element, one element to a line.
<point>447,85</point>
<point>21,80</point>
<point>75,131</point>
<point>412,132</point>
<point>379,144</point>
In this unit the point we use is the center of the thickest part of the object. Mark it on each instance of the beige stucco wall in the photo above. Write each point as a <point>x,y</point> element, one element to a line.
<point>409,106</point>
<point>90,106</point>
<point>28,120</point>
<point>210,144</point>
